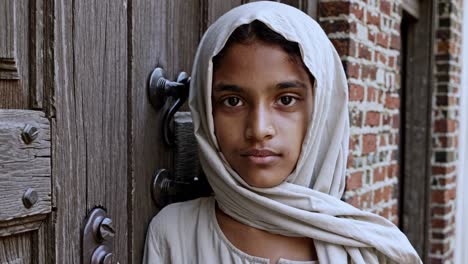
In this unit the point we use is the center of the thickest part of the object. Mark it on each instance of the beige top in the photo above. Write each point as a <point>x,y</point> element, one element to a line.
<point>188,232</point>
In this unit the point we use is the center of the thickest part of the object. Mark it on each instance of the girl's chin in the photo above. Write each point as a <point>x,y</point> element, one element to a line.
<point>262,180</point>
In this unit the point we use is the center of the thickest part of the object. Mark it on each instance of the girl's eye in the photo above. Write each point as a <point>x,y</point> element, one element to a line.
<point>287,100</point>
<point>232,101</point>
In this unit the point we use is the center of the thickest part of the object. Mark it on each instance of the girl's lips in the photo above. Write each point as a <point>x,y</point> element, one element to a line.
<point>263,160</point>
<point>261,156</point>
<point>259,152</point>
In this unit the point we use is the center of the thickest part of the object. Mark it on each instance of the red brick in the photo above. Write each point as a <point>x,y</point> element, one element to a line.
<point>352,70</point>
<point>446,142</point>
<point>392,102</point>
<point>441,248</point>
<point>391,62</point>
<point>393,170</point>
<point>364,52</point>
<point>349,162</point>
<point>395,42</point>
<point>357,10</point>
<point>387,192</point>
<point>369,143</point>
<point>443,196</point>
<point>380,57</point>
<point>373,19</point>
<point>382,141</point>
<point>445,125</point>
<point>379,174</point>
<point>327,9</point>
<point>382,39</point>
<point>386,212</point>
<point>396,121</point>
<point>440,223</point>
<point>441,210</point>
<point>354,181</point>
<point>356,92</point>
<point>386,120</point>
<point>338,26</point>
<point>385,7</point>
<point>445,100</point>
<point>369,72</point>
<point>378,196</point>
<point>442,170</point>
<point>372,118</point>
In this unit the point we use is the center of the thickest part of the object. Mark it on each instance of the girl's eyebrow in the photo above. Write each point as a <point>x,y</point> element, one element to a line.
<point>227,87</point>
<point>221,87</point>
<point>290,84</point>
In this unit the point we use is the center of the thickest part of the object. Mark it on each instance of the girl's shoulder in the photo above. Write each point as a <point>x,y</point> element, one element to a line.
<point>178,217</point>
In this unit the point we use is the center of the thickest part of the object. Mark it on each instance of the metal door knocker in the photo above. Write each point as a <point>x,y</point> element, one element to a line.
<point>160,90</point>
<point>98,236</point>
<point>185,182</point>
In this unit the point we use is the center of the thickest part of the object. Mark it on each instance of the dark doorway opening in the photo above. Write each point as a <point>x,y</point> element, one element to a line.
<point>415,123</point>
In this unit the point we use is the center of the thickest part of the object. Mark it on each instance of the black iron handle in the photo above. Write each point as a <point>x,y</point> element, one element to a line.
<point>166,190</point>
<point>161,90</point>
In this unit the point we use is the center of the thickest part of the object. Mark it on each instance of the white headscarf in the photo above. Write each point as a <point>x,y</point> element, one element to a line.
<point>307,203</point>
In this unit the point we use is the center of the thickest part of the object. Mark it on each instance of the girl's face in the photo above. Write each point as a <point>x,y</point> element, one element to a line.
<point>262,103</point>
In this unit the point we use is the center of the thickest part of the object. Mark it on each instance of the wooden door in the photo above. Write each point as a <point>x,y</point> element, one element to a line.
<point>25,134</point>
<point>78,72</point>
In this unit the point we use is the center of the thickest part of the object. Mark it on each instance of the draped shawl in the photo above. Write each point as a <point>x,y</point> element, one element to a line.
<point>308,202</point>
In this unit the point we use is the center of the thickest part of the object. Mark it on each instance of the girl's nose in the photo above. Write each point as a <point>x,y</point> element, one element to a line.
<point>260,124</point>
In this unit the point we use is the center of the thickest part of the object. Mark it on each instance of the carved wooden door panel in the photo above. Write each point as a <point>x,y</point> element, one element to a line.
<point>25,138</point>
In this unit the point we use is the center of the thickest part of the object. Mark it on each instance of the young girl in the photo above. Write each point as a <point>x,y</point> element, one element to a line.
<point>269,105</point>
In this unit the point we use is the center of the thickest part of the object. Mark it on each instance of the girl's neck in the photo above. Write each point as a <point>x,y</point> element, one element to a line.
<point>263,244</point>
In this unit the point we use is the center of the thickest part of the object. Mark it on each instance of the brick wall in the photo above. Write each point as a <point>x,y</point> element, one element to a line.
<point>366,34</point>
<point>445,129</point>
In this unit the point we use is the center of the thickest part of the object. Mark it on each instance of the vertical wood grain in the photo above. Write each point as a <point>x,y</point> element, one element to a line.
<point>214,9</point>
<point>68,148</point>
<point>22,54</point>
<point>16,249</point>
<point>90,126</point>
<point>164,34</point>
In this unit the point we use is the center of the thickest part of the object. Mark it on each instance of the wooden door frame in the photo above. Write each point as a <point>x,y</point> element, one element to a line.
<point>416,120</point>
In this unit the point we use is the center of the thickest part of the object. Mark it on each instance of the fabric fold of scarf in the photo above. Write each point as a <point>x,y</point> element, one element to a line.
<point>307,203</point>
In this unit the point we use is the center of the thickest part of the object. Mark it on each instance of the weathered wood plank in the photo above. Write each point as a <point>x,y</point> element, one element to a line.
<point>214,9</point>
<point>21,225</point>
<point>166,34</point>
<point>22,165</point>
<point>8,65</point>
<point>36,49</point>
<point>68,148</point>
<point>90,152</point>
<point>37,227</point>
<point>21,54</point>
<point>101,78</point>
<point>16,249</point>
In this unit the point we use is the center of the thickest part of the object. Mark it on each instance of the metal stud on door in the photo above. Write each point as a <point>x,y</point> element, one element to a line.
<point>98,238</point>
